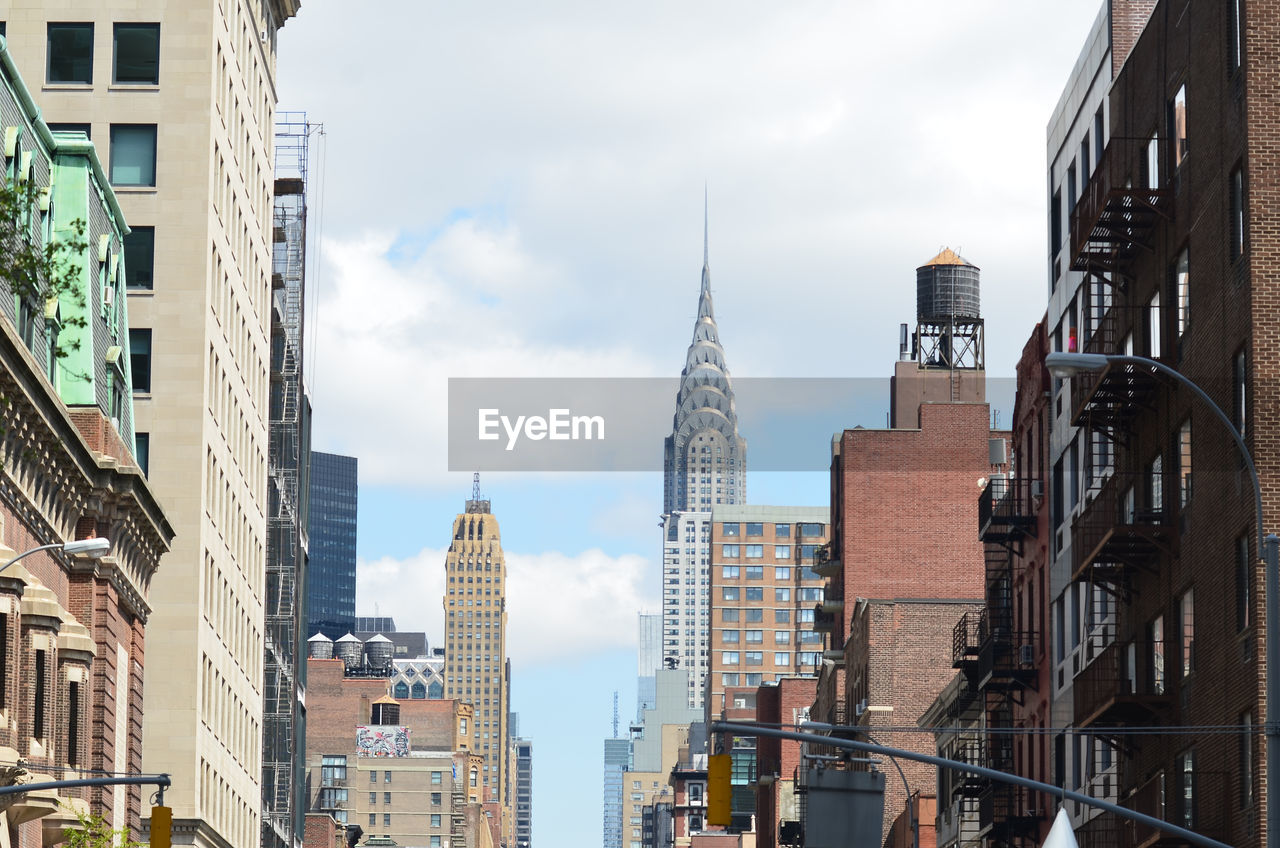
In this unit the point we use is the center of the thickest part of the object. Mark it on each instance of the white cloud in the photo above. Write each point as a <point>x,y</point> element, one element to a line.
<point>560,606</point>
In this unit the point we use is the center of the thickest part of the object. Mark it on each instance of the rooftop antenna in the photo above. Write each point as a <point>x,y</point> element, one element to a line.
<point>475,486</point>
<point>615,713</point>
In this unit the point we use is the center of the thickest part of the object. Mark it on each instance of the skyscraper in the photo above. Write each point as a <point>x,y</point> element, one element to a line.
<point>705,466</point>
<point>648,661</point>
<point>524,792</point>
<point>182,98</point>
<point>475,636</point>
<point>331,530</point>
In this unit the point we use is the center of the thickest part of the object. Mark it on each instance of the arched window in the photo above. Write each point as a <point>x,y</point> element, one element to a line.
<point>474,776</point>
<point>401,690</point>
<point>419,691</point>
<point>436,690</point>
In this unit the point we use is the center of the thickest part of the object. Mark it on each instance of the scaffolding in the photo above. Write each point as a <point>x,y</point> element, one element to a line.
<point>288,452</point>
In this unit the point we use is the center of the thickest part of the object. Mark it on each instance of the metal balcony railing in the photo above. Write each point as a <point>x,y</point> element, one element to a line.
<point>1125,525</point>
<point>965,640</point>
<point>1007,509</point>
<point>1115,218</point>
<point>1127,683</point>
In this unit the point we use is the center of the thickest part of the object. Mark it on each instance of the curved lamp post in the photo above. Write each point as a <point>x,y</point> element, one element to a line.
<point>1063,365</point>
<point>97,547</point>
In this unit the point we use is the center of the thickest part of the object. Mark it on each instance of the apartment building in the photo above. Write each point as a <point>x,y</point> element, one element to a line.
<point>180,100</point>
<point>1176,224</point>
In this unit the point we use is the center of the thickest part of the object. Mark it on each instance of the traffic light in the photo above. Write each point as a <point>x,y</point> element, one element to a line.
<point>719,790</point>
<point>161,827</point>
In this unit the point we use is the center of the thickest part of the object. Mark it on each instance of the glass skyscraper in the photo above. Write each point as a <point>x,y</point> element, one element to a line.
<point>331,529</point>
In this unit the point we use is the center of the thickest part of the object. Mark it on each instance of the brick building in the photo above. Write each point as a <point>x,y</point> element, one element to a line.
<point>400,770</point>
<point>72,649</point>
<point>1192,146</point>
<point>904,562</point>
<point>778,794</point>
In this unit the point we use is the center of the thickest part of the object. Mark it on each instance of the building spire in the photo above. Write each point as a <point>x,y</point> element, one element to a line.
<point>706,241</point>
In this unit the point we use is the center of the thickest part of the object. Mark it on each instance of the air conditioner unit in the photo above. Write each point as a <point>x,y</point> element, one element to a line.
<point>108,295</point>
<point>1027,654</point>
<point>860,708</point>
<point>264,35</point>
<point>1037,488</point>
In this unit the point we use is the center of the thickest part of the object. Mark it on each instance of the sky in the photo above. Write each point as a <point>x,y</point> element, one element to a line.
<point>517,190</point>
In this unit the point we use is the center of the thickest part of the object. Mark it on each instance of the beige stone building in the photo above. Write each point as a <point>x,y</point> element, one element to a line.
<point>476,668</point>
<point>179,100</point>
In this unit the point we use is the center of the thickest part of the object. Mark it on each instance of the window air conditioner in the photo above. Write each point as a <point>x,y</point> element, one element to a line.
<point>1026,654</point>
<point>1037,488</point>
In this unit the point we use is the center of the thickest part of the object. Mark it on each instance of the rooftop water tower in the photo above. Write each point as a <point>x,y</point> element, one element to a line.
<point>320,647</point>
<point>949,330</point>
<point>350,650</point>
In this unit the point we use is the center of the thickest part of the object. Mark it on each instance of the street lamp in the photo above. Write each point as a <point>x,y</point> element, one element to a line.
<point>1064,365</point>
<point>96,547</point>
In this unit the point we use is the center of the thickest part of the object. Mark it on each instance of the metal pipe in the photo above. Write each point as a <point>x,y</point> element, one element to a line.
<point>160,780</point>
<point>982,771</point>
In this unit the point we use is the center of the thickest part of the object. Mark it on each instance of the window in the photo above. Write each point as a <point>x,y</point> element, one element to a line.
<point>1188,615</point>
<point>781,659</point>
<point>1055,224</point>
<point>373,777</point>
<point>435,842</point>
<point>729,679</point>
<point>373,798</point>
<point>754,552</point>
<point>1239,393</point>
<point>1155,632</point>
<point>729,550</point>
<point>1184,463</point>
<point>1181,291</point>
<point>810,531</point>
<point>782,572</point>
<point>728,657</point>
<point>474,777</point>
<point>1178,125</point>
<point>418,692</point>
<point>386,820</point>
<point>133,154</point>
<point>755,528</point>
<point>137,54</point>
<point>782,552</point>
<point>1153,161</point>
<point>1244,585</point>
<point>400,691</point>
<point>1153,326</point>
<point>436,779</point>
<point>80,128</point>
<point>38,712</point>
<point>1244,753</point>
<point>729,572</point>
<point>373,820</point>
<point>728,529</point>
<point>435,819</point>
<point>782,637</point>
<point>730,637</point>
<point>755,637</point>
<point>782,531</point>
<point>754,615</point>
<point>729,615</point>
<point>386,777</point>
<point>729,593</point>
<point>73,724</point>
<point>386,797</point>
<point>755,593</point>
<point>805,616</point>
<point>139,257</point>
<point>1234,55</point>
<point>807,551</point>
<point>436,797</point>
<point>1187,788</point>
<point>1237,214</point>
<point>782,595</point>
<point>755,657</point>
<point>1155,485</point>
<point>70,54</point>
<point>142,451</point>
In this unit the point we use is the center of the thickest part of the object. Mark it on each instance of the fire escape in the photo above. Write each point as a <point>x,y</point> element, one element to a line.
<point>1127,531</point>
<point>288,451</point>
<point>999,662</point>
